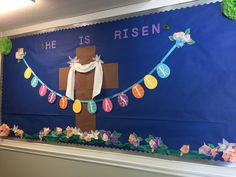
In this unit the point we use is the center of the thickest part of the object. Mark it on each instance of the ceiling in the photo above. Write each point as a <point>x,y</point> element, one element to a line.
<point>48,10</point>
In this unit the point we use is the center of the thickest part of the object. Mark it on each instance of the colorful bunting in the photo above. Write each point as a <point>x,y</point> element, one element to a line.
<point>163,71</point>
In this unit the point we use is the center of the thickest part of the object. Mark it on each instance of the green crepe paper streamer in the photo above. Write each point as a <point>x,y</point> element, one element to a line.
<point>229,9</point>
<point>5,45</point>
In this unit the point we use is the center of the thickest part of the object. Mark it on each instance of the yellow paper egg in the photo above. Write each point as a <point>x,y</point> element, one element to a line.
<point>150,81</point>
<point>77,106</point>
<point>27,73</point>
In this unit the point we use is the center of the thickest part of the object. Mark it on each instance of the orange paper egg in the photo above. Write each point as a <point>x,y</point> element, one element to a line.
<point>137,91</point>
<point>63,102</point>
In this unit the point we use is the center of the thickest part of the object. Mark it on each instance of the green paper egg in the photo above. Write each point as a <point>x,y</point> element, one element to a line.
<point>92,107</point>
<point>34,81</point>
<point>5,45</point>
<point>229,9</point>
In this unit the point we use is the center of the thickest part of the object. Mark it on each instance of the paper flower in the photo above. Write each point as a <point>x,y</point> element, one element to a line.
<point>18,132</point>
<point>154,143</point>
<point>20,54</point>
<point>184,149</point>
<point>69,132</point>
<point>44,133</point>
<point>230,156</point>
<point>109,137</point>
<point>181,38</point>
<point>4,130</point>
<point>73,61</point>
<point>229,151</point>
<point>58,130</point>
<point>105,137</point>
<point>225,146</point>
<point>85,136</point>
<point>207,150</point>
<point>134,140</point>
<point>97,58</point>
<point>94,134</point>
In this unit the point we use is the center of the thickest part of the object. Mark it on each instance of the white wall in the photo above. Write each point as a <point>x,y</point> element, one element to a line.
<point>100,16</point>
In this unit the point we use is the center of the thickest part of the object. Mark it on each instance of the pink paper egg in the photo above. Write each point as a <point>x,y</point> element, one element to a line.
<point>107,105</point>
<point>43,90</point>
<point>123,99</point>
<point>52,97</point>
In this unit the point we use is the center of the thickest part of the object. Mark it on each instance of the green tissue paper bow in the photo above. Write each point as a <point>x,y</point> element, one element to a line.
<point>229,9</point>
<point>5,45</point>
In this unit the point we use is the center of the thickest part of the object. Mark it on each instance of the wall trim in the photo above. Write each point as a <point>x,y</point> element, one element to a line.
<point>136,162</point>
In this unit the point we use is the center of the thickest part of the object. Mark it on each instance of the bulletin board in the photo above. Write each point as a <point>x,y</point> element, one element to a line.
<point>194,104</point>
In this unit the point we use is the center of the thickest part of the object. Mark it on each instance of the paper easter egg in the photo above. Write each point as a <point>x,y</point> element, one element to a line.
<point>52,97</point>
<point>77,106</point>
<point>92,107</point>
<point>163,70</point>
<point>43,90</point>
<point>34,81</point>
<point>63,102</point>
<point>150,81</point>
<point>123,99</point>
<point>107,105</point>
<point>137,91</point>
<point>27,73</point>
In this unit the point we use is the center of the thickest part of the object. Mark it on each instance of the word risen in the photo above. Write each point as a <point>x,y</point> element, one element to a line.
<point>137,32</point>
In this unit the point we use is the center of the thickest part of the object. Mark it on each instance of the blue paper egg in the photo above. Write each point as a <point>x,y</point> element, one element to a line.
<point>163,70</point>
<point>34,81</point>
<point>92,107</point>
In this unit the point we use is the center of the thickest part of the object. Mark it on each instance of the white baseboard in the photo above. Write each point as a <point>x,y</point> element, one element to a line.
<point>136,162</point>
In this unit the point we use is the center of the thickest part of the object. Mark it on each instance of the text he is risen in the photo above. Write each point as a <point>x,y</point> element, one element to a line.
<point>120,34</point>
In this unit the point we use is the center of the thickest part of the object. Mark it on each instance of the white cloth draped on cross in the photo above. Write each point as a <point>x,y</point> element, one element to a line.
<point>76,66</point>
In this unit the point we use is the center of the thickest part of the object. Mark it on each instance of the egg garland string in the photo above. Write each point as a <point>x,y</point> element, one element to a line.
<point>150,81</point>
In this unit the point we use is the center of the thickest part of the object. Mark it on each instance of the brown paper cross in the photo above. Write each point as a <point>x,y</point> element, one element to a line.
<point>84,84</point>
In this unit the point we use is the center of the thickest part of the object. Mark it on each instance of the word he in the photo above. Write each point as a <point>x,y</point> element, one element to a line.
<point>49,45</point>
<point>137,32</point>
<point>84,40</point>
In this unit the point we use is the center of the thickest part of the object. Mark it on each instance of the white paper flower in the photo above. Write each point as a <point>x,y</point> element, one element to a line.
<point>226,146</point>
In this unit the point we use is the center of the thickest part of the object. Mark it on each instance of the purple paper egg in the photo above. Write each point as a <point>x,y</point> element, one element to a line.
<point>52,97</point>
<point>123,99</point>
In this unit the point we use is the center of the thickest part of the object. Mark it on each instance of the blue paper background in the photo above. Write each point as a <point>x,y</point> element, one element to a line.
<point>196,104</point>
